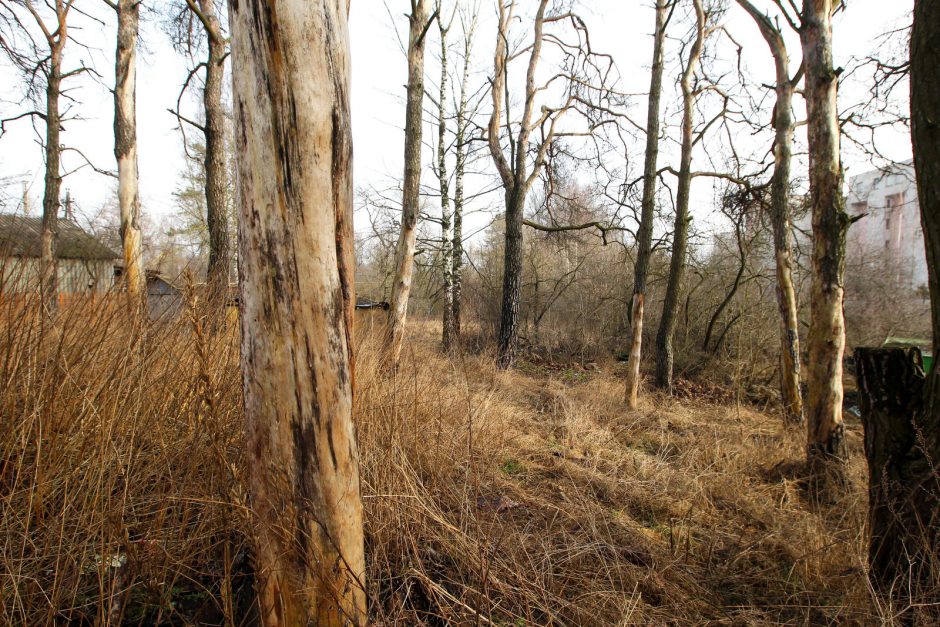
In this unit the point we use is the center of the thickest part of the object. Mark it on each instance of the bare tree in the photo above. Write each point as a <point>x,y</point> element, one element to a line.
<point>825,429</point>
<point>783,125</point>
<point>294,154</point>
<point>204,13</point>
<point>125,146</point>
<point>680,234</point>
<point>418,25</point>
<point>468,21</point>
<point>447,234</point>
<point>582,96</point>
<point>644,236</point>
<point>40,60</point>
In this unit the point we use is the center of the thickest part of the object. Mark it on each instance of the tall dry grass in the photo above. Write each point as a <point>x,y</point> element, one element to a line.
<point>510,498</point>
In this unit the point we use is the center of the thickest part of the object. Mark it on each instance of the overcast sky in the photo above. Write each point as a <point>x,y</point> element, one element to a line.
<point>621,28</point>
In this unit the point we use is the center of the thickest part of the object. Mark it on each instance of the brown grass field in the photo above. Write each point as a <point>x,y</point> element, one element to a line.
<point>491,498</point>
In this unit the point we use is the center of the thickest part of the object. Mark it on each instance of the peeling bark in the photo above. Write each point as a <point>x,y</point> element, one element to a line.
<point>825,449</point>
<point>644,234</point>
<point>407,237</point>
<point>125,148</point>
<point>787,306</point>
<point>294,153</point>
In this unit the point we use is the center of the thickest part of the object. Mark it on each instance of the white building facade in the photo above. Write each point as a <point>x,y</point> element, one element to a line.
<point>887,235</point>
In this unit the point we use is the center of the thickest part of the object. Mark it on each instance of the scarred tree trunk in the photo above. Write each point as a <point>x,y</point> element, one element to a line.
<point>644,234</point>
<point>48,239</point>
<point>407,237</point>
<point>294,154</point>
<point>787,306</point>
<point>125,147</point>
<point>216,173</point>
<point>667,324</point>
<point>780,220</point>
<point>447,234</point>
<point>825,448</point>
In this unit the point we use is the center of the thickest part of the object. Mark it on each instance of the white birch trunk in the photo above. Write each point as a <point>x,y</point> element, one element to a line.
<point>447,233</point>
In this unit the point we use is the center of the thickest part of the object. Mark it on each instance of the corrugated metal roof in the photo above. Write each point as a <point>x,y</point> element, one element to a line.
<point>19,237</point>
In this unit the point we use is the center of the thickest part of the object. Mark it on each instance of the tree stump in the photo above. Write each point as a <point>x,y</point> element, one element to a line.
<point>904,491</point>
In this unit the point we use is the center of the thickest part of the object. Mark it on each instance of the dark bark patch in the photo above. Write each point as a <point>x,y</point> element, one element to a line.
<point>329,440</point>
<point>306,469</point>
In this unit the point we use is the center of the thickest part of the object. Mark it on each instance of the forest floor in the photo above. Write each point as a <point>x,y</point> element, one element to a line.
<point>533,496</point>
<point>528,496</point>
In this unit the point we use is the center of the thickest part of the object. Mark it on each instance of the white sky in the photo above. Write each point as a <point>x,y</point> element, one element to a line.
<point>621,28</point>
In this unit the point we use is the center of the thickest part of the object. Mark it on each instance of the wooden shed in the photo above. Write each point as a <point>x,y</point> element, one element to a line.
<point>164,298</point>
<point>85,264</point>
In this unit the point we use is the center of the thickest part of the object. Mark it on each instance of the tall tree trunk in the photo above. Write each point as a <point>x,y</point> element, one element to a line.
<point>407,237</point>
<point>125,147</point>
<point>460,148</point>
<point>901,403</point>
<point>216,173</point>
<point>825,429</point>
<point>780,219</point>
<point>514,174</point>
<point>510,306</point>
<point>447,235</point>
<point>667,324</point>
<point>787,305</point>
<point>925,137</point>
<point>644,235</point>
<point>456,255</point>
<point>48,239</point>
<point>294,154</point>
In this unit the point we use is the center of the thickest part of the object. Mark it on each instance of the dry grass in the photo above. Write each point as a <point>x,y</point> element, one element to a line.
<point>522,497</point>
